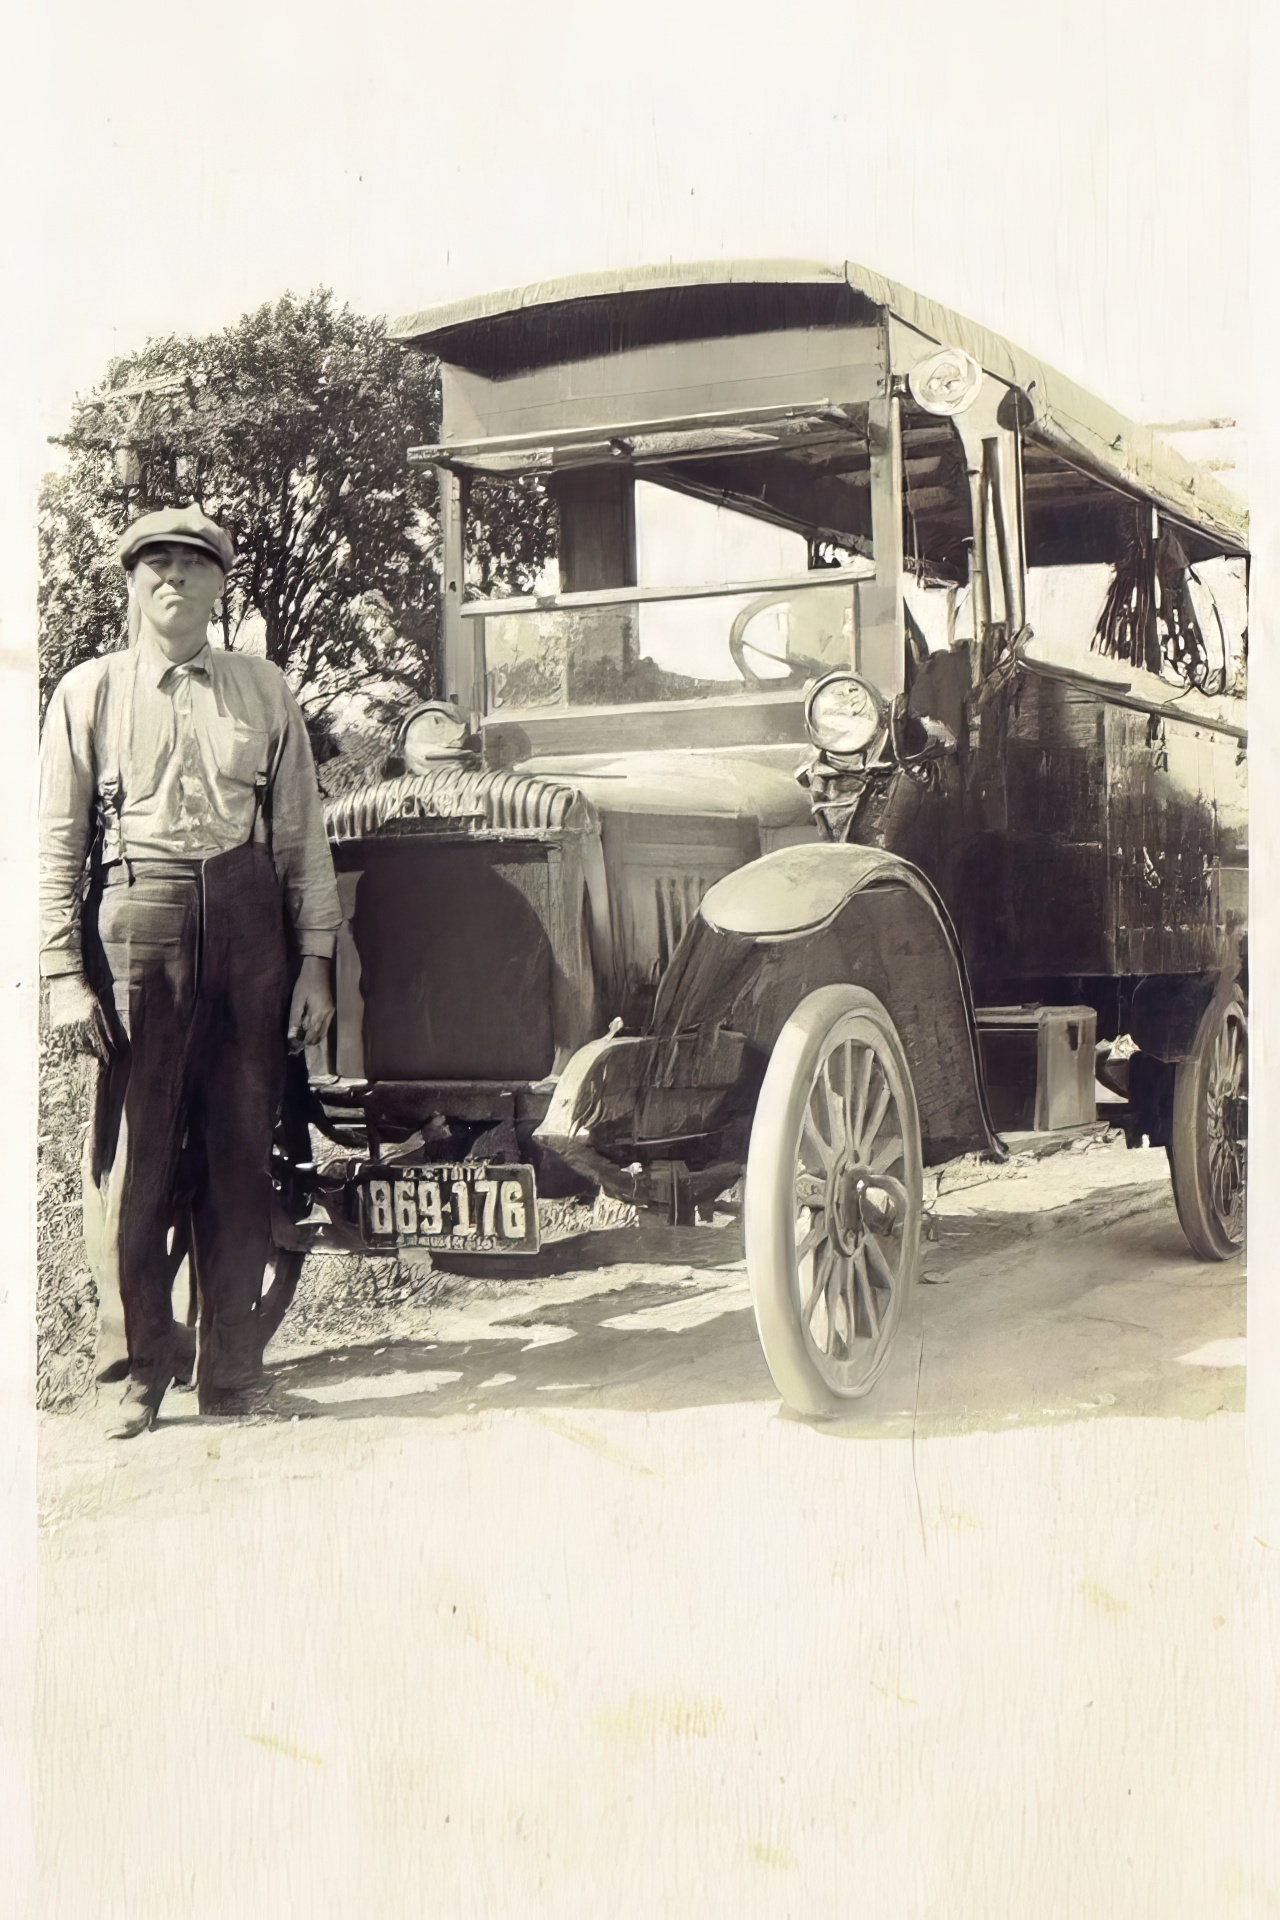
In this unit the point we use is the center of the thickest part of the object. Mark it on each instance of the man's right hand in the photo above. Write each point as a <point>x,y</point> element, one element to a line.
<point>73,1004</point>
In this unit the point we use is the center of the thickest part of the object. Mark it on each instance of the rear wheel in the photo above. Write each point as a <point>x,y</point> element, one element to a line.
<point>833,1199</point>
<point>1209,1142</point>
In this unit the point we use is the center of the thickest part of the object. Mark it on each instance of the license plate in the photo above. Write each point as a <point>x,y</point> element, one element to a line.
<point>468,1207</point>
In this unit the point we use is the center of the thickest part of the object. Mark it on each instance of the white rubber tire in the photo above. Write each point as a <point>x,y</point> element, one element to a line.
<point>811,1375</point>
<point>1206,1164</point>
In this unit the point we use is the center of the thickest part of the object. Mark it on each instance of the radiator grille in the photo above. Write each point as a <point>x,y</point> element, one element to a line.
<point>677,896</point>
<point>455,960</point>
<point>492,799</point>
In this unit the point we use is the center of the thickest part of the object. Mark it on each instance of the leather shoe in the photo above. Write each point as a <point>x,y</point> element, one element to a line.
<point>140,1404</point>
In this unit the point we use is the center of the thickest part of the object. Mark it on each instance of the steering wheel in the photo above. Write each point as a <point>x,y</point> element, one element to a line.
<point>800,667</point>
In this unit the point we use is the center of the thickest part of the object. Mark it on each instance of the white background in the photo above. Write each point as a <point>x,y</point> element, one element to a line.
<point>1075,176</point>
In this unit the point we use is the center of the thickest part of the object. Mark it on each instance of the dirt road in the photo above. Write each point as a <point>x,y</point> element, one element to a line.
<point>541,1606</point>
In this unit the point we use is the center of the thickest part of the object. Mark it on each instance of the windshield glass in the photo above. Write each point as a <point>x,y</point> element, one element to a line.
<point>688,646</point>
<point>677,650</point>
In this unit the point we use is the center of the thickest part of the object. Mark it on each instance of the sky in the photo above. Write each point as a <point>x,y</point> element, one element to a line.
<point>1075,175</point>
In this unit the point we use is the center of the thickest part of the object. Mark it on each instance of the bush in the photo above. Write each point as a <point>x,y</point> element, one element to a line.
<point>66,1298</point>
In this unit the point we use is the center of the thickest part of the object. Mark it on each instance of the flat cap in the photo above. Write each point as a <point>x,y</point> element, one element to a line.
<point>178,527</point>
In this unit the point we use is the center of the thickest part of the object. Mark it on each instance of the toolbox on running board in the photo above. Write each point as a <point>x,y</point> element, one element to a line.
<point>1039,1066</point>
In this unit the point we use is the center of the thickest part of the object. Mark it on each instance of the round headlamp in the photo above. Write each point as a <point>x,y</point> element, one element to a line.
<point>947,382</point>
<point>844,715</point>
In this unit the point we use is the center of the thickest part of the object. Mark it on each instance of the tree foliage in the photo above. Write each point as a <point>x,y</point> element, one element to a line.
<point>291,429</point>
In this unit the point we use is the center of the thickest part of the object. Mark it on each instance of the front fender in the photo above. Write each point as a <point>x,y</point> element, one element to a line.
<point>800,889</point>
<point>810,916</point>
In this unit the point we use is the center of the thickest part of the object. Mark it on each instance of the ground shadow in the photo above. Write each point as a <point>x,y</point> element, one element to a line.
<point>560,1341</point>
<point>1023,1318</point>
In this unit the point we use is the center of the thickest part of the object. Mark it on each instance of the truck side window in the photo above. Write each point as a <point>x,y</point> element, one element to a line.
<point>1110,580</point>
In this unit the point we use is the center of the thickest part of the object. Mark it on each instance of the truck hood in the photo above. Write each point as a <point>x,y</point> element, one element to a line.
<point>553,794</point>
<point>705,785</point>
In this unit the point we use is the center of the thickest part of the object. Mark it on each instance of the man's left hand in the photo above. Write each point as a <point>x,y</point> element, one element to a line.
<point>311,1008</point>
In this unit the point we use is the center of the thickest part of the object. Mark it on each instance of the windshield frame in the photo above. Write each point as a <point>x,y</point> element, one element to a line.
<point>632,596</point>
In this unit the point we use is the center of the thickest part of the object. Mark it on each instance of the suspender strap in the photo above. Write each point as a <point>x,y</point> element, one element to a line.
<point>262,809</point>
<point>109,843</point>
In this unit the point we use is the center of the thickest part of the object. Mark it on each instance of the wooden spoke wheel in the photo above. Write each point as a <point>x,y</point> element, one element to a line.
<point>1209,1146</point>
<point>833,1199</point>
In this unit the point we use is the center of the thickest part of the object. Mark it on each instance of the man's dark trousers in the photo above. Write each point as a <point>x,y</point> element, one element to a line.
<point>192,954</point>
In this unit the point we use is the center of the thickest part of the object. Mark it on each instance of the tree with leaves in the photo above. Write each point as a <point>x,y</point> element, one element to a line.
<point>290,428</point>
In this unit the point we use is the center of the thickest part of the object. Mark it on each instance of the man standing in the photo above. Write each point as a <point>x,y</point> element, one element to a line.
<point>186,888</point>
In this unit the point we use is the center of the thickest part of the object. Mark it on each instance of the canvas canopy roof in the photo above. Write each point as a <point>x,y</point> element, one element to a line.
<point>559,320</point>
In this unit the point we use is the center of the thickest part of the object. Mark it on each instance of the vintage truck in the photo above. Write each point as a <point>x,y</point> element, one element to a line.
<point>873,771</point>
